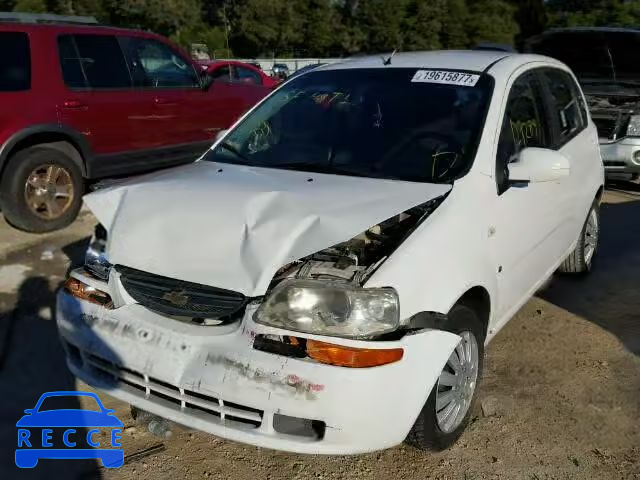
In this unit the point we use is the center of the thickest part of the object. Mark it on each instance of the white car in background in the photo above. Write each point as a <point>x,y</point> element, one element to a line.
<point>326,277</point>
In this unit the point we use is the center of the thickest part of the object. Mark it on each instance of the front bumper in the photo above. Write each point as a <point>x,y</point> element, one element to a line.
<point>212,379</point>
<point>622,156</point>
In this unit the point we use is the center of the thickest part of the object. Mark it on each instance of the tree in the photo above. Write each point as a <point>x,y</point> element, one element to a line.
<point>321,20</point>
<point>212,37</point>
<point>532,19</point>
<point>454,31</point>
<point>381,22</point>
<point>272,27</point>
<point>491,21</point>
<point>423,24</point>
<point>161,16</point>
<point>30,6</point>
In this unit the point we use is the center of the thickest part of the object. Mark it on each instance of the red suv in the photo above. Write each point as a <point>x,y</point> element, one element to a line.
<point>87,101</point>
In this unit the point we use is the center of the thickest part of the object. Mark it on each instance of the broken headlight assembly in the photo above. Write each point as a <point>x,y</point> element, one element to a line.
<point>330,308</point>
<point>95,260</point>
<point>633,129</point>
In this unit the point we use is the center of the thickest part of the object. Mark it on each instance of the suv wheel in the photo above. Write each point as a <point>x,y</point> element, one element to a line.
<point>41,190</point>
<point>446,413</point>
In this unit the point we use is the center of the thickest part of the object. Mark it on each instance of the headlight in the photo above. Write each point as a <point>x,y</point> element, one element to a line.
<point>333,309</point>
<point>95,259</point>
<point>633,130</point>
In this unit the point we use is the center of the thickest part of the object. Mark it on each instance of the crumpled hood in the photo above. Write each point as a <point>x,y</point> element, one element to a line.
<point>233,227</point>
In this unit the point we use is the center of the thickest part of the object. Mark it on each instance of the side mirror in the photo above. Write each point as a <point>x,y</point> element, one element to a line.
<point>538,165</point>
<point>207,81</point>
<point>220,134</point>
<point>29,411</point>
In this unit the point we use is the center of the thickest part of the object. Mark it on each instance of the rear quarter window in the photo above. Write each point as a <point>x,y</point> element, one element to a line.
<point>93,61</point>
<point>15,62</point>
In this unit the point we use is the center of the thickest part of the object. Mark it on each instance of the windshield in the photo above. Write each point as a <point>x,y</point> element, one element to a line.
<point>364,122</point>
<point>594,55</point>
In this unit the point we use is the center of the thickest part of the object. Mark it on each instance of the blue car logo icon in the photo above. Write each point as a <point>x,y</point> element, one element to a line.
<point>36,432</point>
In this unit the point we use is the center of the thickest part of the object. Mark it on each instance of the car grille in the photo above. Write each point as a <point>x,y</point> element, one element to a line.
<point>180,298</point>
<point>164,393</point>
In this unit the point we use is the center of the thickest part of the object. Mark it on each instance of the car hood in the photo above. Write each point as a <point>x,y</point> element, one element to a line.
<point>233,226</point>
<point>69,418</point>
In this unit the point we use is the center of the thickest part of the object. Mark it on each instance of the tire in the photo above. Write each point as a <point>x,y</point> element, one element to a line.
<point>580,261</point>
<point>41,190</point>
<point>427,433</point>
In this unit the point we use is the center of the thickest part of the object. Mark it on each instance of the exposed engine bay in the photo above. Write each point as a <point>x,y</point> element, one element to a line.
<point>627,103</point>
<point>355,261</point>
<point>611,113</point>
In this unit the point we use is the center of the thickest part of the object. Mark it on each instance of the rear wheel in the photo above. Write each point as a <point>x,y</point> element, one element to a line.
<point>446,413</point>
<point>581,259</point>
<point>41,190</point>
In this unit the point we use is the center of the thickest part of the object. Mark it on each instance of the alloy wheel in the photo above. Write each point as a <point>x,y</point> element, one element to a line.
<point>49,191</point>
<point>457,383</point>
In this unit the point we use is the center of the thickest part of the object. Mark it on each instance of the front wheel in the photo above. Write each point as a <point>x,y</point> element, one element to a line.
<point>446,413</point>
<point>581,259</point>
<point>41,190</point>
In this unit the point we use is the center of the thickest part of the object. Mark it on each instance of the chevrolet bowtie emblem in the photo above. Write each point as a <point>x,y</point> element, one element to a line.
<point>176,297</point>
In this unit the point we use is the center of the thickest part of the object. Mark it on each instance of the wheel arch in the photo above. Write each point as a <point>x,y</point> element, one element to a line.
<point>60,138</point>
<point>479,300</point>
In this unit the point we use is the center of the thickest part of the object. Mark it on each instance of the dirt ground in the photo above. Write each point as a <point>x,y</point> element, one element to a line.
<point>561,390</point>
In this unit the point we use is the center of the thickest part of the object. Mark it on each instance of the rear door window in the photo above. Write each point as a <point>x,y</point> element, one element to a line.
<point>93,61</point>
<point>567,115</point>
<point>15,62</point>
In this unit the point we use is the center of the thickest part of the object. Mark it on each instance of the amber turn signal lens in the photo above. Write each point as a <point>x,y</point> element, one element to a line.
<point>81,290</point>
<point>351,357</point>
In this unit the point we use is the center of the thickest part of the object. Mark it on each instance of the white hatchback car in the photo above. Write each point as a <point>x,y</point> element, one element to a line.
<point>325,278</point>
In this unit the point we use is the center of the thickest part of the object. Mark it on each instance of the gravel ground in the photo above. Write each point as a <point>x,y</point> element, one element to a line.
<point>560,398</point>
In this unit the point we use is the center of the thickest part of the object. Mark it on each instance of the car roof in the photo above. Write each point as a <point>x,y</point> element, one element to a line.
<point>470,60</point>
<point>74,27</point>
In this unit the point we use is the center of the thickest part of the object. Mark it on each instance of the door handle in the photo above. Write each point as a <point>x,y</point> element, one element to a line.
<point>163,101</point>
<point>74,104</point>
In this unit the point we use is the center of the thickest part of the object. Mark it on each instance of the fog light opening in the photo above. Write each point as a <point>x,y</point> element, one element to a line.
<point>636,157</point>
<point>299,427</point>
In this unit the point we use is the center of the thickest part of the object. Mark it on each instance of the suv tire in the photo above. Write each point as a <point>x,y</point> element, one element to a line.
<point>580,260</point>
<point>427,432</point>
<point>41,190</point>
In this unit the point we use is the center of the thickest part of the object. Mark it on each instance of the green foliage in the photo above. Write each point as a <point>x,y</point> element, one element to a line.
<point>491,21</point>
<point>423,24</point>
<point>32,6</point>
<point>212,37</point>
<point>319,28</point>
<point>454,32</point>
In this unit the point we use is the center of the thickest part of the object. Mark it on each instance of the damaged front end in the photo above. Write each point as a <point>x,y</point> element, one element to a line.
<point>272,369</point>
<point>323,293</point>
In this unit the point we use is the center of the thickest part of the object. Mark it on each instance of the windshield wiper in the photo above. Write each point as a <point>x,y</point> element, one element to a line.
<point>237,153</point>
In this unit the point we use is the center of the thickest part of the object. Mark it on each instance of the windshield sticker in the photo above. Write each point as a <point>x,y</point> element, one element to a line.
<point>446,78</point>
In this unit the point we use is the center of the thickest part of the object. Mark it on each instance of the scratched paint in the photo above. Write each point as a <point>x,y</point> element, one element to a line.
<point>135,333</point>
<point>288,383</point>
